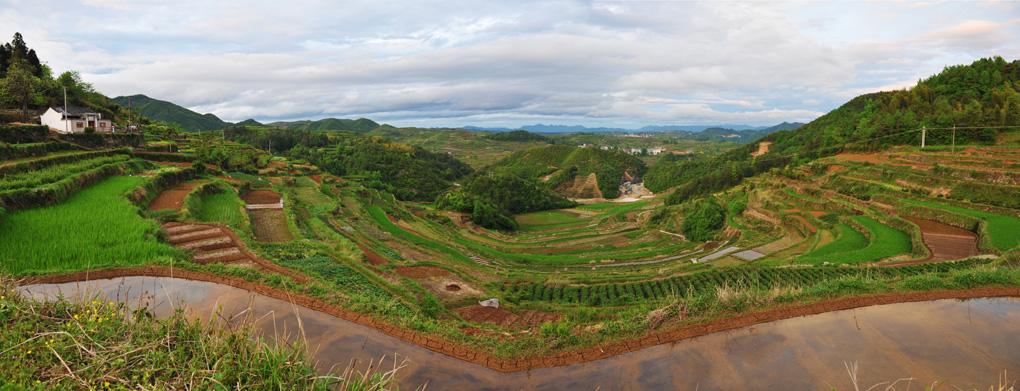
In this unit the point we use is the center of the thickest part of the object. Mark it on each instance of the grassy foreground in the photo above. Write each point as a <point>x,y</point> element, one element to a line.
<point>95,345</point>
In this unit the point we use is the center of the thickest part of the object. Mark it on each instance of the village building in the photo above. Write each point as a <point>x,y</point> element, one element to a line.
<point>75,120</point>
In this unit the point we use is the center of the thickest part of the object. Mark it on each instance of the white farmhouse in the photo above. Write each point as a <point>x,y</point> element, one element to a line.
<point>75,120</point>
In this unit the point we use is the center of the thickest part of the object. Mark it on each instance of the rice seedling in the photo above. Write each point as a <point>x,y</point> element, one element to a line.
<point>221,208</point>
<point>95,228</point>
<point>55,173</point>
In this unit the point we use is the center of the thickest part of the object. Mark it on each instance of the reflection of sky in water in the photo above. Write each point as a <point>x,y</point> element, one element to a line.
<point>968,341</point>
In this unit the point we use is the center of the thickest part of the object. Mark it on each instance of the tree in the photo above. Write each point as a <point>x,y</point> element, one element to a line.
<point>19,85</point>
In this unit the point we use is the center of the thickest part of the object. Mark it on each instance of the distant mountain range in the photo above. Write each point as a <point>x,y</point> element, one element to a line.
<point>735,133</point>
<point>539,128</point>
<point>163,111</point>
<point>360,125</point>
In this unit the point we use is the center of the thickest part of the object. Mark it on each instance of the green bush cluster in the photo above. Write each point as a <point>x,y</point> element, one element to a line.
<point>702,223</point>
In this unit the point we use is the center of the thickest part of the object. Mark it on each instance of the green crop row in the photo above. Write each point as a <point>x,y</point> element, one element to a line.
<point>59,191</point>
<point>55,173</point>
<point>339,275</point>
<point>380,217</point>
<point>706,283</point>
<point>22,151</point>
<point>71,236</point>
<point>854,247</point>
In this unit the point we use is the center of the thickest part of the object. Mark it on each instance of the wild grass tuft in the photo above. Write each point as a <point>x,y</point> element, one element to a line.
<point>87,343</point>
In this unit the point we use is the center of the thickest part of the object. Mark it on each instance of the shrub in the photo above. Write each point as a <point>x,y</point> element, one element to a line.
<point>701,224</point>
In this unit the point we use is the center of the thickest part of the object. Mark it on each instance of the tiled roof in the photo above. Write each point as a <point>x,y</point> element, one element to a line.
<point>75,112</point>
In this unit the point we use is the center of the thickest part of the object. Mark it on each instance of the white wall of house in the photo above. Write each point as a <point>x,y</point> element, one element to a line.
<point>56,121</point>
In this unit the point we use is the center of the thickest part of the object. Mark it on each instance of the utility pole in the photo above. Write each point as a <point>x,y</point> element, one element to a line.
<point>954,140</point>
<point>66,130</point>
<point>924,130</point>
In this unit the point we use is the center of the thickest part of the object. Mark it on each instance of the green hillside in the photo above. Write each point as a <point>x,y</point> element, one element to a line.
<point>163,111</point>
<point>360,125</point>
<point>978,99</point>
<point>564,167</point>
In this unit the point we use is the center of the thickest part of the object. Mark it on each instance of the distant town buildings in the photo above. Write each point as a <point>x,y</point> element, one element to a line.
<point>632,151</point>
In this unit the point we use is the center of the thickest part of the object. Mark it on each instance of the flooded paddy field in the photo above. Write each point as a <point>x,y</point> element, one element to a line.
<point>969,342</point>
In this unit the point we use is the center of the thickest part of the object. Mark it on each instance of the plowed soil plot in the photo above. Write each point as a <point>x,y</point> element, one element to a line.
<point>946,242</point>
<point>497,316</point>
<point>172,198</point>
<point>270,225</point>
<point>261,197</point>
<point>372,257</point>
<point>419,272</point>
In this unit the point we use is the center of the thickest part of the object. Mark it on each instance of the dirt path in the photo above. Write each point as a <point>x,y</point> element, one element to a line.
<point>172,198</point>
<point>507,365</point>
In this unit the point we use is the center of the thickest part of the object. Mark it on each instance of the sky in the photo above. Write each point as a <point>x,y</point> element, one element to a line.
<point>450,63</point>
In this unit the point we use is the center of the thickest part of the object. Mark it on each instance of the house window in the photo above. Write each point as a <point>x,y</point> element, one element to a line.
<point>79,124</point>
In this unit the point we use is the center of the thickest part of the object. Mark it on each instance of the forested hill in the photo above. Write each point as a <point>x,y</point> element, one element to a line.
<point>977,98</point>
<point>360,125</point>
<point>409,173</point>
<point>518,136</point>
<point>565,168</point>
<point>163,111</point>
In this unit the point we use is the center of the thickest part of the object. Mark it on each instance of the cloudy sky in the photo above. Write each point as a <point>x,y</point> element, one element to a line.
<point>510,63</point>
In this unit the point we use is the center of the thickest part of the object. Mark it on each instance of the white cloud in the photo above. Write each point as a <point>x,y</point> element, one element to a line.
<point>449,63</point>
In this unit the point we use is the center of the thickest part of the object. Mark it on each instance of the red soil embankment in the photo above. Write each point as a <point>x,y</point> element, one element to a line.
<point>172,198</point>
<point>371,256</point>
<point>261,197</point>
<point>506,365</point>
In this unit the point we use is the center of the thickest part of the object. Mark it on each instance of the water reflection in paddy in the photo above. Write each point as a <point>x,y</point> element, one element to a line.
<point>968,342</point>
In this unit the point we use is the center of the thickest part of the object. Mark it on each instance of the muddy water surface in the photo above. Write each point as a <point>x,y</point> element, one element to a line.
<point>968,342</point>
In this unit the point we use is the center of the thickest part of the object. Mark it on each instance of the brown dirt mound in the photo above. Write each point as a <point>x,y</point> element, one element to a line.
<point>588,187</point>
<point>834,168</point>
<point>818,213</point>
<point>172,198</point>
<point>420,272</point>
<point>508,365</point>
<point>261,197</point>
<point>453,288</point>
<point>536,317</point>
